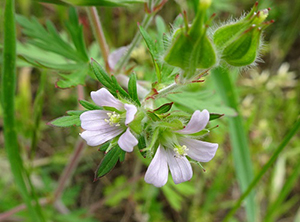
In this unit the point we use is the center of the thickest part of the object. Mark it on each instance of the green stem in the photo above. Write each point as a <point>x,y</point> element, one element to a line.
<point>286,140</point>
<point>8,95</point>
<point>137,38</point>
<point>99,34</point>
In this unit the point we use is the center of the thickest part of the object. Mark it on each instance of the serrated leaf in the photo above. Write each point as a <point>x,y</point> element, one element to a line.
<point>164,108</point>
<point>66,121</point>
<point>89,106</point>
<point>73,54</point>
<point>132,88</point>
<point>109,161</point>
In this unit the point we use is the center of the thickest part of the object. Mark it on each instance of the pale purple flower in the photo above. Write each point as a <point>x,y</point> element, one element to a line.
<point>103,125</point>
<point>174,156</point>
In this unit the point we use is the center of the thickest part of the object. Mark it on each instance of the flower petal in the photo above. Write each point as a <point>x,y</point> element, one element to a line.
<point>199,150</point>
<point>127,141</point>
<point>197,123</point>
<point>97,137</point>
<point>157,172</point>
<point>115,56</point>
<point>130,112</point>
<point>94,119</point>
<point>180,167</point>
<point>103,97</point>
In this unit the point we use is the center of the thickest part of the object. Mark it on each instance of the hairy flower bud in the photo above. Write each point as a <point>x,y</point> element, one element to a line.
<point>239,42</point>
<point>191,48</point>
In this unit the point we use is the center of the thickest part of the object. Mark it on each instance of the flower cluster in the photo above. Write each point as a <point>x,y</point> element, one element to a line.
<point>174,147</point>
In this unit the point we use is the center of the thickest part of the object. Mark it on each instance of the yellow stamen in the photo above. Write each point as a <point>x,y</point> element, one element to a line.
<point>114,119</point>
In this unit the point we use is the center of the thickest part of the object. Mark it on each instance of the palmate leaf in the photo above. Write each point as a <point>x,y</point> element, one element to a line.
<point>104,3</point>
<point>70,59</point>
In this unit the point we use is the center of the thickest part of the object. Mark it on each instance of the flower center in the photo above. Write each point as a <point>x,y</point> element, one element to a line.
<point>180,151</point>
<point>114,119</point>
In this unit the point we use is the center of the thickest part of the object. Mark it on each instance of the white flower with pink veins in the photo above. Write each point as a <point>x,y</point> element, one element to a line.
<point>103,125</point>
<point>173,154</point>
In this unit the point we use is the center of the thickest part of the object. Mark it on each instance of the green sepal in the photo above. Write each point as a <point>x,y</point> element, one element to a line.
<point>243,51</point>
<point>109,161</point>
<point>153,116</point>
<point>175,124</point>
<point>213,116</point>
<point>163,109</point>
<point>136,124</point>
<point>192,49</point>
<point>89,106</point>
<point>228,33</point>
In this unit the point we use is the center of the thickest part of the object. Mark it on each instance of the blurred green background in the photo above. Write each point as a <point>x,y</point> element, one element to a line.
<point>269,101</point>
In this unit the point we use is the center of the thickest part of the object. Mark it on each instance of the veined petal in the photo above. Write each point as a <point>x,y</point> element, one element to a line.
<point>97,137</point>
<point>180,167</point>
<point>199,150</point>
<point>157,172</point>
<point>127,141</point>
<point>102,97</point>
<point>94,119</point>
<point>130,112</point>
<point>197,123</point>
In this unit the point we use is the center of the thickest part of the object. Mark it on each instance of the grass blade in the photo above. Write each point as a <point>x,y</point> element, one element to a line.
<point>238,138</point>
<point>290,183</point>
<point>8,86</point>
<point>285,141</point>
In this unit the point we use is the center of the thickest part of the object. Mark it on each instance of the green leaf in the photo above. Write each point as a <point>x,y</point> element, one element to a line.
<point>118,88</point>
<point>103,77</point>
<point>89,106</point>
<point>149,42</point>
<point>132,89</point>
<point>66,121</point>
<point>69,56</point>
<point>104,3</point>
<point>109,161</point>
<point>8,87</point>
<point>164,108</point>
<point>72,79</point>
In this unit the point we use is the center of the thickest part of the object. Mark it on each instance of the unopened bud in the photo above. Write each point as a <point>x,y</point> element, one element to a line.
<point>239,41</point>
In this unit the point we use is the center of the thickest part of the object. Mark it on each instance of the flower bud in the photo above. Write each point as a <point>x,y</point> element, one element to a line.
<point>239,42</point>
<point>191,48</point>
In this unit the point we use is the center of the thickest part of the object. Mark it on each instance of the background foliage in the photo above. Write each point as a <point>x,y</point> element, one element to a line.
<point>267,99</point>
